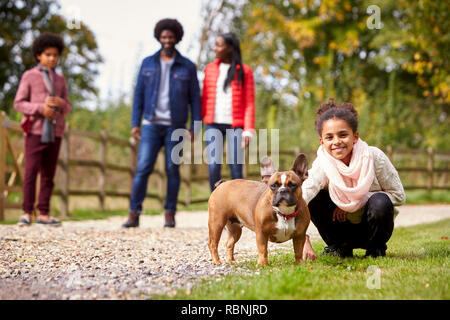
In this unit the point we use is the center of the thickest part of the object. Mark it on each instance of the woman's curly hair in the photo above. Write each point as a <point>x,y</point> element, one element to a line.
<point>169,24</point>
<point>47,40</point>
<point>331,109</point>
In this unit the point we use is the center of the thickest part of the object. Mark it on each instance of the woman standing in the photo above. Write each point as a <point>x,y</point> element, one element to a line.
<point>228,107</point>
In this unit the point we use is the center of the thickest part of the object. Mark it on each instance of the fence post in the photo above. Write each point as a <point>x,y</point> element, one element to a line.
<point>65,173</point>
<point>430,168</point>
<point>2,164</point>
<point>102,178</point>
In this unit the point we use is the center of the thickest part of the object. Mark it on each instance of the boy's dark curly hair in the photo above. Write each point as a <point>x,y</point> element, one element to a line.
<point>331,109</point>
<point>169,24</point>
<point>47,40</point>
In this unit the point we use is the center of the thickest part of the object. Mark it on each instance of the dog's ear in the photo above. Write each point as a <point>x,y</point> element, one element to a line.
<point>300,166</point>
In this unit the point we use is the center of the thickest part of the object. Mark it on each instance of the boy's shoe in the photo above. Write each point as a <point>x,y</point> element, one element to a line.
<point>52,222</point>
<point>133,220</point>
<point>24,221</point>
<point>341,252</point>
<point>169,217</point>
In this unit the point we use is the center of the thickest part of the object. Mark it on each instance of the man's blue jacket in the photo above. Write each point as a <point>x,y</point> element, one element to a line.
<point>184,91</point>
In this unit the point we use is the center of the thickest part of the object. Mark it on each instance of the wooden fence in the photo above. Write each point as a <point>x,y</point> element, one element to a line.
<point>11,171</point>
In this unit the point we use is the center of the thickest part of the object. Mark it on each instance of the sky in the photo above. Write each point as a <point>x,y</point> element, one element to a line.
<point>124,33</point>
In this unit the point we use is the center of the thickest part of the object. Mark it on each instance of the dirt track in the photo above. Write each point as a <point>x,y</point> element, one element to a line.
<point>99,260</point>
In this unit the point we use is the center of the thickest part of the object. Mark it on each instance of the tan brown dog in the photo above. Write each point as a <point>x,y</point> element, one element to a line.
<point>275,211</point>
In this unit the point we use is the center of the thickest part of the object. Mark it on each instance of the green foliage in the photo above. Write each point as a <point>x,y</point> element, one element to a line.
<point>304,52</point>
<point>21,22</point>
<point>114,118</point>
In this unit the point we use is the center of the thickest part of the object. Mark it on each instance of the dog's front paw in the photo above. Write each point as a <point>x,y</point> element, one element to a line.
<point>217,262</point>
<point>262,263</point>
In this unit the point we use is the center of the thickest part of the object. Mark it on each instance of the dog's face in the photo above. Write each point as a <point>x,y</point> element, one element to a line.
<point>286,188</point>
<point>286,185</point>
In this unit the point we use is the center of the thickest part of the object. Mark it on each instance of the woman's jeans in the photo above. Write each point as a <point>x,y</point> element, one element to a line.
<point>215,134</point>
<point>153,137</point>
<point>373,232</point>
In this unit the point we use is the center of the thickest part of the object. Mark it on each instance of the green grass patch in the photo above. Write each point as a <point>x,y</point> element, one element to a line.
<point>416,267</point>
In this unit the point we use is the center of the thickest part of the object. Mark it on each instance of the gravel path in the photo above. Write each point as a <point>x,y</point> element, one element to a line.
<point>99,260</point>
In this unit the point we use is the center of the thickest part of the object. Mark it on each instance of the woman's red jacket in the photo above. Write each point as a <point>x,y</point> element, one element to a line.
<point>243,97</point>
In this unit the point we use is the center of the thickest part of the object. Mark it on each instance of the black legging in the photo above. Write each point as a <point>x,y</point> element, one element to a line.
<point>373,232</point>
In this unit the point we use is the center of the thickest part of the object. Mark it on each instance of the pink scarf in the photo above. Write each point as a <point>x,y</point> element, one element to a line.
<point>349,185</point>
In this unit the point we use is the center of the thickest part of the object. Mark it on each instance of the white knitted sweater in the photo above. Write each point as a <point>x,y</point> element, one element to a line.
<point>386,180</point>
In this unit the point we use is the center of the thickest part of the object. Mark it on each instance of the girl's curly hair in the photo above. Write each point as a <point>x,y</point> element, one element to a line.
<point>331,109</point>
<point>169,24</point>
<point>47,40</point>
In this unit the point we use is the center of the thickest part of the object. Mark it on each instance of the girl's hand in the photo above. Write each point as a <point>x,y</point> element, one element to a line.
<point>245,142</point>
<point>308,251</point>
<point>339,214</point>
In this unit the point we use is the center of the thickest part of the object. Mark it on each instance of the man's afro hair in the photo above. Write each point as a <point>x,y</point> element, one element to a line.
<point>47,40</point>
<point>169,24</point>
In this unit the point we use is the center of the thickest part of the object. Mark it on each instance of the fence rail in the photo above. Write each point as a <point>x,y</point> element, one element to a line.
<point>11,172</point>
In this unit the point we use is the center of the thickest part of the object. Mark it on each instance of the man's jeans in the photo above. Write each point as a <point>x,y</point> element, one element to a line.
<point>215,135</point>
<point>153,137</point>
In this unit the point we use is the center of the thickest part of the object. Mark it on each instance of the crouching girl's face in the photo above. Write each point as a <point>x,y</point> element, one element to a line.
<point>338,139</point>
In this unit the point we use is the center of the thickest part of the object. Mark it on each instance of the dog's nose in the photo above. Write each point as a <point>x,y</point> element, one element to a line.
<point>283,190</point>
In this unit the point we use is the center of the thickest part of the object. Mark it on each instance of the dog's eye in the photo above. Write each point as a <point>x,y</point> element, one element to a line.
<point>292,185</point>
<point>273,186</point>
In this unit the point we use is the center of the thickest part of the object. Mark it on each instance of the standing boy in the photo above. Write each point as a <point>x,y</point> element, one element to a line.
<point>42,98</point>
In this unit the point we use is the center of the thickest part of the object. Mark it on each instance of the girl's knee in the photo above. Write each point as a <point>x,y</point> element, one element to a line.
<point>380,207</point>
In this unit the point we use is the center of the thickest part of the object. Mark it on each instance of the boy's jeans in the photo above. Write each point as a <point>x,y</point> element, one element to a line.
<point>214,150</point>
<point>153,137</point>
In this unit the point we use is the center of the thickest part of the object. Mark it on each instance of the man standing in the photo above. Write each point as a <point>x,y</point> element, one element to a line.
<point>167,87</point>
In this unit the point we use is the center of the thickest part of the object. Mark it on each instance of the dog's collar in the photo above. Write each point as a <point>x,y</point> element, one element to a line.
<point>286,216</point>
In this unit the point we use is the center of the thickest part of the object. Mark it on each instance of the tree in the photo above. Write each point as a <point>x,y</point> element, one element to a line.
<point>397,76</point>
<point>21,22</point>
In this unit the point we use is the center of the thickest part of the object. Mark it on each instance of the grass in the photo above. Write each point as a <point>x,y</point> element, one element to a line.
<point>416,267</point>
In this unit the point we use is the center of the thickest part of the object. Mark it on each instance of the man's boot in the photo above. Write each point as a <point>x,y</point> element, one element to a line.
<point>169,217</point>
<point>133,220</point>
